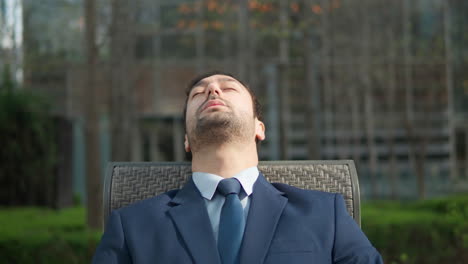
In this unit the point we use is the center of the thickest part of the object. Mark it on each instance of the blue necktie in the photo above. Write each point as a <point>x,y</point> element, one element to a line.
<point>231,223</point>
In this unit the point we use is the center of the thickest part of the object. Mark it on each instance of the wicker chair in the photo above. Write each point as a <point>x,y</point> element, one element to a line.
<point>128,182</point>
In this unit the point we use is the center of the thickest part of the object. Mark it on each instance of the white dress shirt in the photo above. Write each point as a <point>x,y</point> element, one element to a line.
<point>207,184</point>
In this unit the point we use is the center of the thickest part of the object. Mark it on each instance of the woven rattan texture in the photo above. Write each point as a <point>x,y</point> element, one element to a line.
<point>134,183</point>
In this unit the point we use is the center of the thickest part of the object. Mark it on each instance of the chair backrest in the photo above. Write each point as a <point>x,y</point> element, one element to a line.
<point>128,182</point>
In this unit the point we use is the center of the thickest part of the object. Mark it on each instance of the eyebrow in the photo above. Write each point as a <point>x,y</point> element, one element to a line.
<point>225,79</point>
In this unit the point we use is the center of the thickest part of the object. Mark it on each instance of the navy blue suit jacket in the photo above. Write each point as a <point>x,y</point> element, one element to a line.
<point>285,225</point>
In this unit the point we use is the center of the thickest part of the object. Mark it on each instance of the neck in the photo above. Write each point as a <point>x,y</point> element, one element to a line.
<point>226,160</point>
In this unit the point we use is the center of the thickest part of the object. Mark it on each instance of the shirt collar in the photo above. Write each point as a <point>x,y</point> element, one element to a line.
<point>207,182</point>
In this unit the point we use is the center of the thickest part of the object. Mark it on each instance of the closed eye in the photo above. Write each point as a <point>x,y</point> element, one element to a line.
<point>196,93</point>
<point>228,89</point>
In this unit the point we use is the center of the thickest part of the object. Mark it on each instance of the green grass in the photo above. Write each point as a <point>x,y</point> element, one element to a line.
<point>37,235</point>
<point>36,225</point>
<point>448,209</point>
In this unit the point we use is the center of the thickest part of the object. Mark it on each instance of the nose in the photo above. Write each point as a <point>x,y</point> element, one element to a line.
<point>213,89</point>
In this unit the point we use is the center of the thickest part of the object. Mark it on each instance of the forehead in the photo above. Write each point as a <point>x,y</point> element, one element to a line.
<point>216,78</point>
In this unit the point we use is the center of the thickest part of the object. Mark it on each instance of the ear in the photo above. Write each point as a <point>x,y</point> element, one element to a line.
<point>259,130</point>
<point>186,144</point>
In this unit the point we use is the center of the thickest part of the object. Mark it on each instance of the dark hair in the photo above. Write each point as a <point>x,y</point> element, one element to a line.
<point>257,107</point>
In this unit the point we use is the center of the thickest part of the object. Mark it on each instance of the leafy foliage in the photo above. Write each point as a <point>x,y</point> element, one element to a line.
<point>32,235</point>
<point>28,148</point>
<point>433,231</point>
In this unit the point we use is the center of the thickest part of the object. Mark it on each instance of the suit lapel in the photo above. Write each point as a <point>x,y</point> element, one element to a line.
<point>266,206</point>
<point>191,219</point>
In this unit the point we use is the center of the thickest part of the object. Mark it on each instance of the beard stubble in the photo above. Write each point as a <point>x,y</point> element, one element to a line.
<point>219,128</point>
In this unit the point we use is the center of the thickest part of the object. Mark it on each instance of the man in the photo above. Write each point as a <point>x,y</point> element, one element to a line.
<point>254,221</point>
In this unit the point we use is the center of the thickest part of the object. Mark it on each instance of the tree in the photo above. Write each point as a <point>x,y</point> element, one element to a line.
<point>93,170</point>
<point>450,86</point>
<point>313,118</point>
<point>391,110</point>
<point>27,134</point>
<point>365,76</point>
<point>124,127</point>
<point>10,44</point>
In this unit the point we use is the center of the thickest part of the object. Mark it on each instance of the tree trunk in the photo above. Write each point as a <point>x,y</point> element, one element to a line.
<point>368,103</point>
<point>272,97</point>
<point>313,114</point>
<point>93,170</point>
<point>27,45</point>
<point>243,24</point>
<point>391,124</point>
<point>123,113</point>
<point>284,80</point>
<point>408,77</point>
<point>466,152</point>
<point>327,87</point>
<point>417,141</point>
<point>450,88</point>
<point>200,42</point>
<point>355,91</point>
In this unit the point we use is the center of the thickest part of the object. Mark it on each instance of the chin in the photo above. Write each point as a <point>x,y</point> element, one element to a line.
<point>217,116</point>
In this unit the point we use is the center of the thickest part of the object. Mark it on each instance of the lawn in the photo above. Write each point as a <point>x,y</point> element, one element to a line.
<point>35,235</point>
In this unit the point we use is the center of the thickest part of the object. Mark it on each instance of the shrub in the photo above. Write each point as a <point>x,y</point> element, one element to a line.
<point>27,154</point>
<point>32,235</point>
<point>433,231</point>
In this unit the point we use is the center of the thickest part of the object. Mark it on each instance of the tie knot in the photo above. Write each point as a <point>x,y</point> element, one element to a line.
<point>229,186</point>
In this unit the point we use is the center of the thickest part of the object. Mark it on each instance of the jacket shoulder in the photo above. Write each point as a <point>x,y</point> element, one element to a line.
<point>292,190</point>
<point>160,200</point>
<point>297,195</point>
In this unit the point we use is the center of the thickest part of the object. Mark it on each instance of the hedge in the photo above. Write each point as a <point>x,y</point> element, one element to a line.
<point>27,137</point>
<point>33,235</point>
<point>426,232</point>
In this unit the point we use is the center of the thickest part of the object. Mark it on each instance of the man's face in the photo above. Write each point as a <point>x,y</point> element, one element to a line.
<point>219,107</point>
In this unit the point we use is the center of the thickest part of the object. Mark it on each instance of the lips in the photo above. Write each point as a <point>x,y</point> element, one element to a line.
<point>212,103</point>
